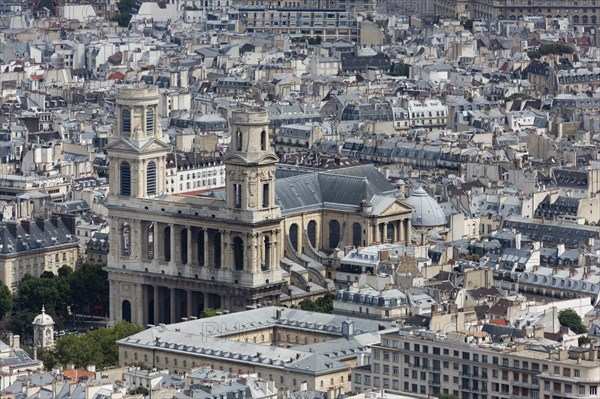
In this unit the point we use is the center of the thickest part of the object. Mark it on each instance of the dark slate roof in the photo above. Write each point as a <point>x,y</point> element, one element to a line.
<point>498,333</point>
<point>27,236</point>
<point>344,188</point>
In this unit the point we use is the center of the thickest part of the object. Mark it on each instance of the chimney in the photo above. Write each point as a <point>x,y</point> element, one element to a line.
<point>347,328</point>
<point>518,240</point>
<point>14,340</point>
<point>69,222</point>
<point>278,314</point>
<point>561,249</point>
<point>91,368</point>
<point>25,224</point>
<point>12,229</point>
<point>54,220</point>
<point>40,223</point>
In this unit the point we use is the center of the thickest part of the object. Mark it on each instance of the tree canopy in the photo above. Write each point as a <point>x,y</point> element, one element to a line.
<point>98,347</point>
<point>321,305</point>
<point>125,8</point>
<point>570,318</point>
<point>554,48</point>
<point>5,299</point>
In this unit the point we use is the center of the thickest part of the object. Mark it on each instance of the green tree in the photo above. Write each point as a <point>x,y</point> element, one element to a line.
<point>139,390</point>
<point>88,286</point>
<point>97,347</point>
<point>35,293</point>
<point>5,299</point>
<point>570,318</point>
<point>125,8</point>
<point>20,323</point>
<point>584,340</point>
<point>321,305</point>
<point>209,312</point>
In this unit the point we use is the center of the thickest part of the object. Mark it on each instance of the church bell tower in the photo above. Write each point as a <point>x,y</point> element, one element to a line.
<point>137,155</point>
<point>250,164</point>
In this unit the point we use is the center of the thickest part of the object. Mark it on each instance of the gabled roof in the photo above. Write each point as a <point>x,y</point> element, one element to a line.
<point>342,188</point>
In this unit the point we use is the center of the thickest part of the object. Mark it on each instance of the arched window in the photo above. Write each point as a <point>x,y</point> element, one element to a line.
<point>312,233</point>
<point>150,242</point>
<point>576,19</point>
<point>266,265</point>
<point>584,19</point>
<point>126,311</point>
<point>238,253</point>
<point>167,244</point>
<point>238,141</point>
<point>356,234</point>
<point>263,140</point>
<point>125,175</point>
<point>151,178</point>
<point>149,120</point>
<point>126,122</point>
<point>125,240</point>
<point>594,19</point>
<point>294,236</point>
<point>334,233</point>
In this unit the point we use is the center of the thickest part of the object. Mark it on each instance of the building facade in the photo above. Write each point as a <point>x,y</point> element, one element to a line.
<point>469,366</point>
<point>173,256</point>
<point>579,13</point>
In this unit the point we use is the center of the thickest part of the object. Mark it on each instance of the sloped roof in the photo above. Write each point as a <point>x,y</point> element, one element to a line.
<point>345,188</point>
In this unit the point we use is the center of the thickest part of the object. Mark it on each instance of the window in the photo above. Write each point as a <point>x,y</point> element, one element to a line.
<point>238,140</point>
<point>237,192</point>
<point>126,122</point>
<point>125,178</point>
<point>149,120</point>
<point>266,195</point>
<point>263,140</point>
<point>151,178</point>
<point>593,390</point>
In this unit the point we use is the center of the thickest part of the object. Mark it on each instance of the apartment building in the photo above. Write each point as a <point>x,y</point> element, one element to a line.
<point>329,24</point>
<point>468,366</point>
<point>192,172</point>
<point>582,12</point>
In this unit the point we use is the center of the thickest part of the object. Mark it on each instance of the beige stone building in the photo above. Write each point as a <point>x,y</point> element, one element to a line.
<point>298,350</point>
<point>583,12</point>
<point>172,255</point>
<point>467,365</point>
<point>35,246</point>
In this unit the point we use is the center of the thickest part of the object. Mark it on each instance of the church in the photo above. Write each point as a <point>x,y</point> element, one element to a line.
<point>247,246</point>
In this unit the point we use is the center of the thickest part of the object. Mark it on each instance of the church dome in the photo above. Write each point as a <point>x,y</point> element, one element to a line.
<point>43,319</point>
<point>427,212</point>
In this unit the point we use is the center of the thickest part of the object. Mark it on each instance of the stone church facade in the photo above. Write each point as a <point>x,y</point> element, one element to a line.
<point>173,255</point>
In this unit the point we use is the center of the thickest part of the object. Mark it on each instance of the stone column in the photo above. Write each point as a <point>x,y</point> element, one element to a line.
<point>190,305</point>
<point>205,253</point>
<point>189,245</point>
<point>172,243</point>
<point>224,244</point>
<point>401,230</point>
<point>156,309</point>
<point>173,305</point>
<point>407,237</point>
<point>114,299</point>
<point>206,300</point>
<point>385,232</point>
<point>138,303</point>
<point>145,306</point>
<point>155,241</point>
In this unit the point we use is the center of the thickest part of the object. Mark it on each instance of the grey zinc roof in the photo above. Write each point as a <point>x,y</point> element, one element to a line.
<point>210,340</point>
<point>345,188</point>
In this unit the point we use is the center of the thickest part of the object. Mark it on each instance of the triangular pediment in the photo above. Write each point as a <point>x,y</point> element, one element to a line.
<point>155,145</point>
<point>121,145</point>
<point>396,207</point>
<point>151,145</point>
